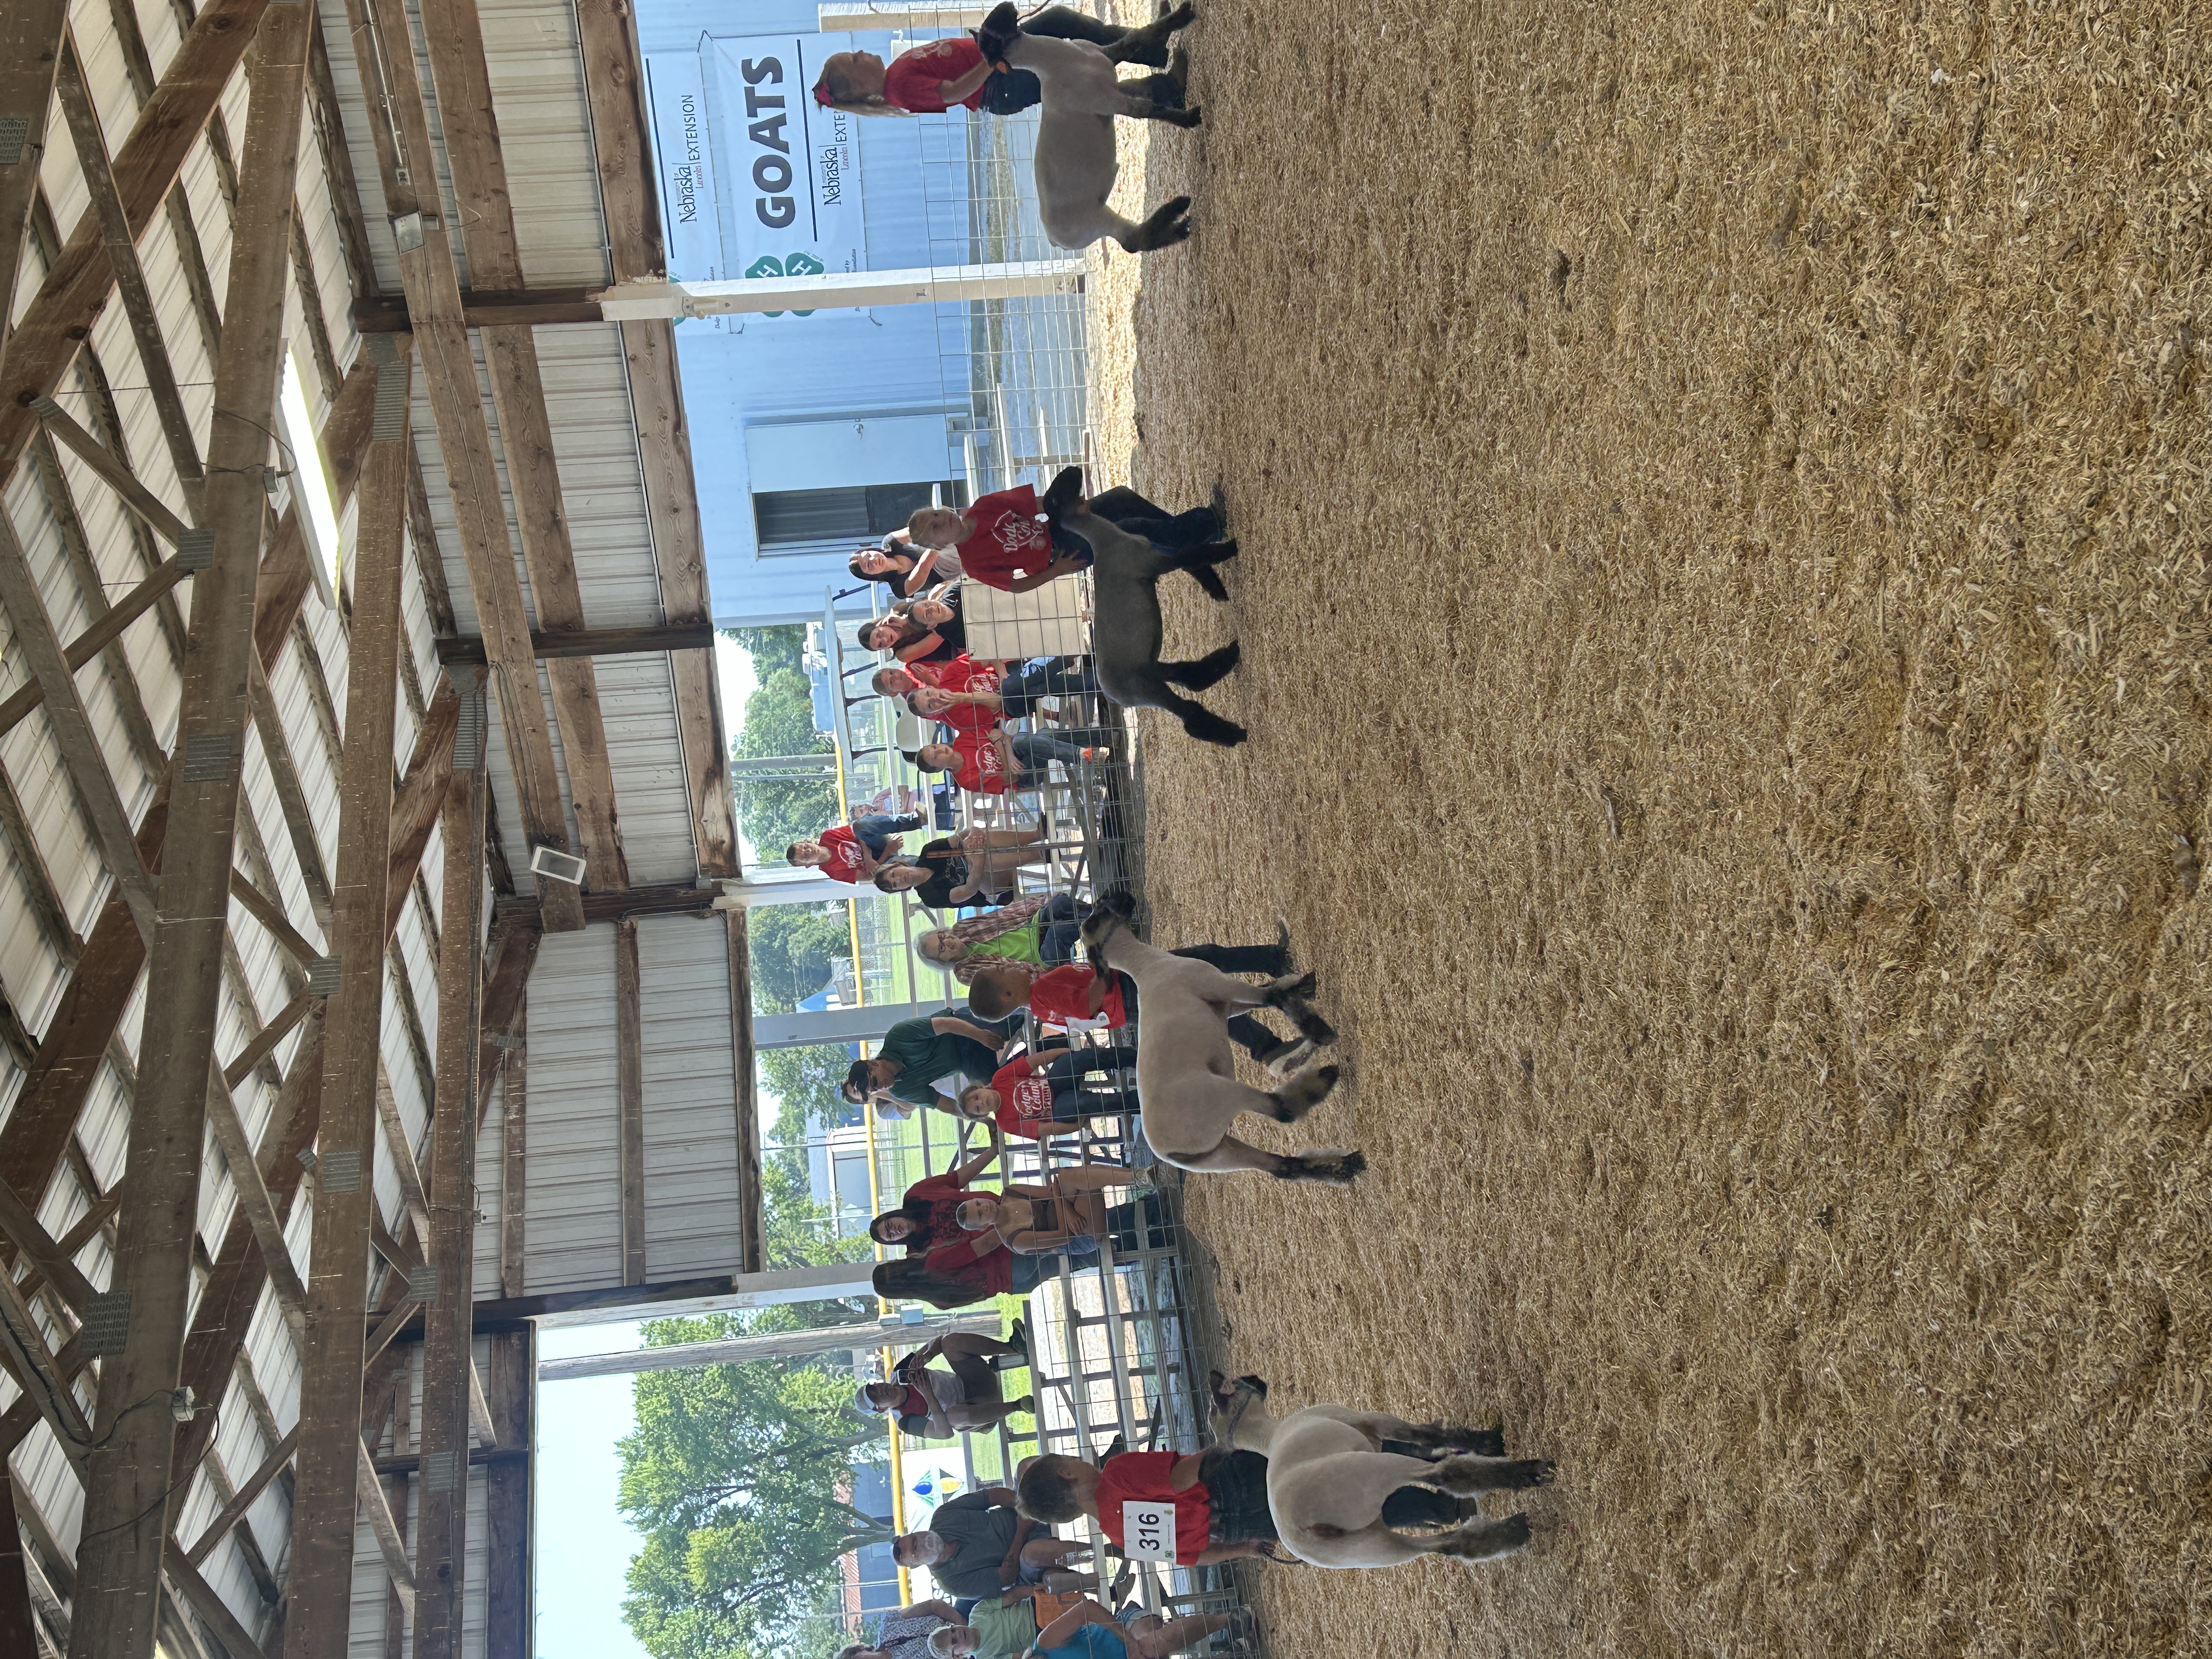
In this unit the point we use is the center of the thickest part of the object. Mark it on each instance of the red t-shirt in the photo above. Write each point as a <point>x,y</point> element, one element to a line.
<point>912,78</point>
<point>845,853</point>
<point>979,767</point>
<point>1008,539</point>
<point>990,1275</point>
<point>963,673</point>
<point>967,718</point>
<point>942,1197</point>
<point>1064,995</point>
<point>1144,1475</point>
<point>1024,1099</point>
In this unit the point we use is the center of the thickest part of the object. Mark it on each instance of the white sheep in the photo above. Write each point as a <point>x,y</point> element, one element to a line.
<point>1186,1078</point>
<point>1331,1471</point>
<point>1075,159</point>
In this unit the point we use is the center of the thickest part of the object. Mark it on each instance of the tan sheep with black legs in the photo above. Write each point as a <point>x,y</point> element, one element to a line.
<point>1328,1478</point>
<point>1185,1075</point>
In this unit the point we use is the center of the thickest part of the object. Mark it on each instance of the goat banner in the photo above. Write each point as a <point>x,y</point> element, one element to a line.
<point>757,179</point>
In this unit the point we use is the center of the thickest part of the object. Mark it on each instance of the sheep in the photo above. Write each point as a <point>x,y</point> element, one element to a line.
<point>1185,1077</point>
<point>1075,159</point>
<point>1331,1471</point>
<point>1126,630</point>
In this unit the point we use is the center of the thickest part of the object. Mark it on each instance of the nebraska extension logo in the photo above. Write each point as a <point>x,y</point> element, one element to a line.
<point>798,264</point>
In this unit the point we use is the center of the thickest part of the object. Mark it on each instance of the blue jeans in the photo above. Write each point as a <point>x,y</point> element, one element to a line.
<point>872,831</point>
<point>1034,750</point>
<point>1056,677</point>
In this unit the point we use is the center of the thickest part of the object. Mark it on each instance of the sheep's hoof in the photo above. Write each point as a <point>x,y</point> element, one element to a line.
<point>1290,984</point>
<point>1485,1539</point>
<point>1330,1166</point>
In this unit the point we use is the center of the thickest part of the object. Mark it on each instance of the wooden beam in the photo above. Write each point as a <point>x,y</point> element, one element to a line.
<point>449,367</point>
<point>19,1627</point>
<point>592,642</point>
<point>630,1072</point>
<point>421,793</point>
<point>752,1226</point>
<point>679,552</point>
<point>271,916</point>
<point>410,1463</point>
<point>234,1637</point>
<point>120,1562</point>
<point>513,952</point>
<point>330,1489</point>
<point>244,1499</point>
<point>41,1375</point>
<point>77,284</point>
<point>38,890</point>
<point>112,471</point>
<point>614,79</point>
<point>541,307</point>
<point>442,1432</point>
<point>513,1173</point>
<point>265,1041</point>
<point>44,1251</point>
<point>30,46</point>
<point>81,756</point>
<point>670,901</point>
<point>119,241</point>
<point>95,639</point>
<point>525,429</point>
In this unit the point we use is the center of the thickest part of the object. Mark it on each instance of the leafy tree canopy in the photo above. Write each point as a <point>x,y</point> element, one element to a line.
<point>779,720</point>
<point>791,946</point>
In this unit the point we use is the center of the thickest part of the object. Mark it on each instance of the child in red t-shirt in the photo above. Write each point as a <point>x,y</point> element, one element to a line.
<point>1079,998</point>
<point>853,852</point>
<point>1041,1093</point>
<point>1001,541</point>
<point>1211,1496</point>
<point>992,762</point>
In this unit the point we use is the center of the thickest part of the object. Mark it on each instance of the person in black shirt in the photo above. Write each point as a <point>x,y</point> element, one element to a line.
<point>976,867</point>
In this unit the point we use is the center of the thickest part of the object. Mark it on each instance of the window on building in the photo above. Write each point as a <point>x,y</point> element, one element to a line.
<point>789,520</point>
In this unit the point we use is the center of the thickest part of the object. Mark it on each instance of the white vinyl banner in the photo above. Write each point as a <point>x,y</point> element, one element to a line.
<point>681,133</point>
<point>793,178</point>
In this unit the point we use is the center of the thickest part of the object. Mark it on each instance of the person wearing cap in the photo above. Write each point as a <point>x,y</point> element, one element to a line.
<point>936,1405</point>
<point>915,1054</point>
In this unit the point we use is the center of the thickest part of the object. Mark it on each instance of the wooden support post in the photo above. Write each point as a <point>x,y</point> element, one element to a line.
<point>381,1521</point>
<point>330,1489</point>
<point>19,1629</point>
<point>506,1503</point>
<point>119,1567</point>
<point>515,1171</point>
<point>442,1435</point>
<point>77,284</point>
<point>751,1223</point>
<point>629,1072</point>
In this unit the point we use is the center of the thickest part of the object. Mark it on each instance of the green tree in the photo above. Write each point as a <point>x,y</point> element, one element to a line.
<point>791,947</point>
<point>738,1478</point>
<point>779,720</point>
<point>805,1082</point>
<point>771,649</point>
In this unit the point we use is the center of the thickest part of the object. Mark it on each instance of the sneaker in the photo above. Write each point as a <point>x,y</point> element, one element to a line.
<point>1101,753</point>
<point>1018,1334</point>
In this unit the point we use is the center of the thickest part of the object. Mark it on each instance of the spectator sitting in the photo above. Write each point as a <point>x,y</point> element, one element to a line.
<point>850,852</point>
<point>976,1545</point>
<point>976,868</point>
<point>926,1217</point>
<point>903,567</point>
<point>1016,697</point>
<point>920,630</point>
<point>1027,934</point>
<point>1041,1093</point>
<point>917,1054</point>
<point>994,762</point>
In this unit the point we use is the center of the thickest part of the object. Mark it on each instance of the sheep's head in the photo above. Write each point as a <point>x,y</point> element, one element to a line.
<point>1110,916</point>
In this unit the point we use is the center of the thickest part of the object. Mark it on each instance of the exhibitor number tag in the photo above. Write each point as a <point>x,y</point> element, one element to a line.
<point>1148,1530</point>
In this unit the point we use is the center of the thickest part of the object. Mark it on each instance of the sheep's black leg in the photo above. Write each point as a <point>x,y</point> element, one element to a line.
<point>1199,720</point>
<point>1164,228</point>
<point>1208,670</point>
<point>1202,557</point>
<point>1204,577</point>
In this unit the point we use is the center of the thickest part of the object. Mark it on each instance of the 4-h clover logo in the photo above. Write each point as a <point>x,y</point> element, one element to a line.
<point>797,264</point>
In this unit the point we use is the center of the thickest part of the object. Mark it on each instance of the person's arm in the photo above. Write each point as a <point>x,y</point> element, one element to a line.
<point>1019,1594</point>
<point>1183,1475</point>
<point>922,567</point>
<point>932,1608</point>
<point>1010,1567</point>
<point>962,1174</point>
<point>1010,768</point>
<point>1029,1242</point>
<point>921,647</point>
<point>1215,1552</point>
<point>952,1025</point>
<point>940,1425</point>
<point>1061,1631</point>
<point>959,91</point>
<point>1037,579</point>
